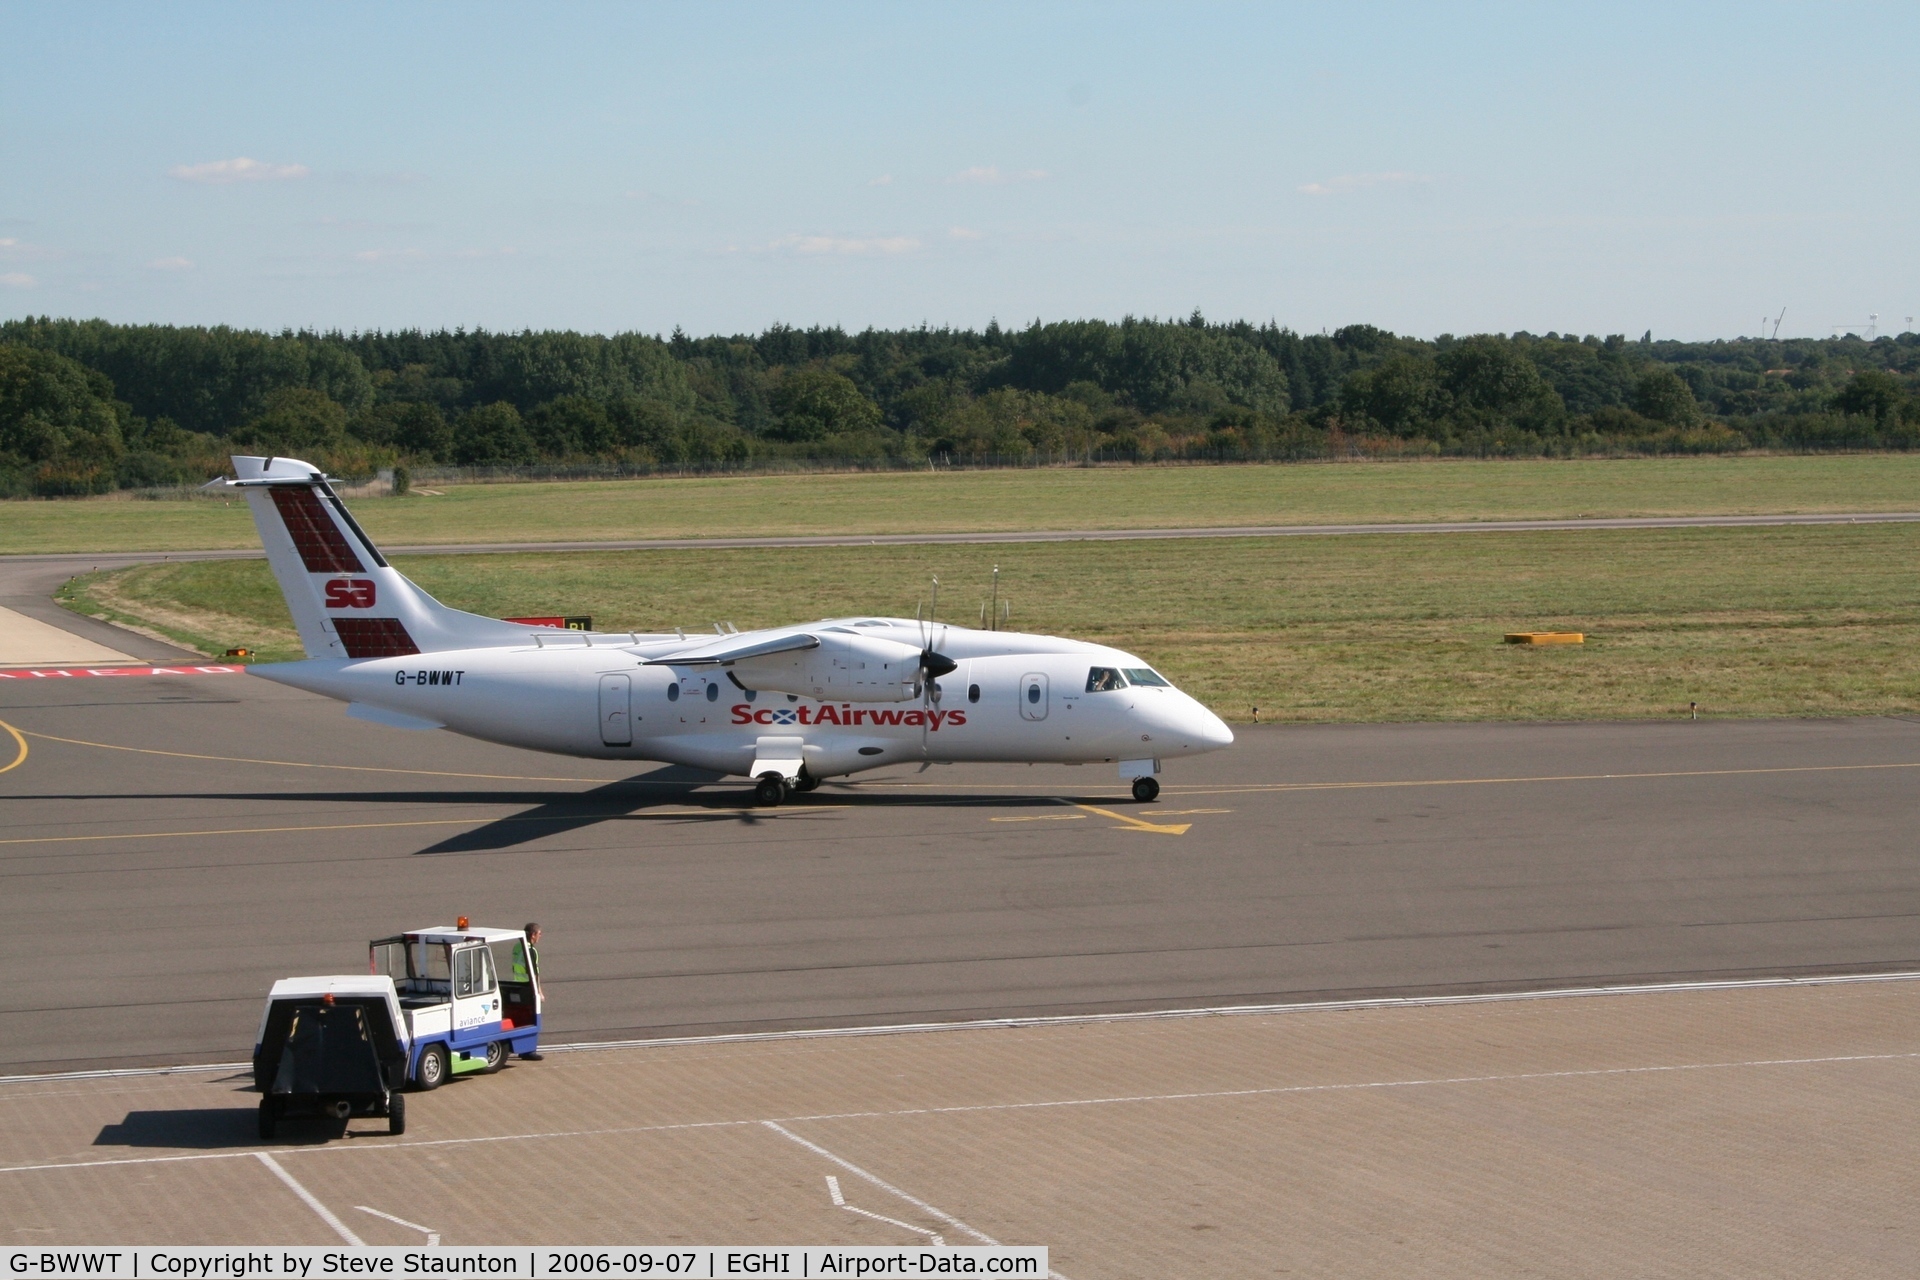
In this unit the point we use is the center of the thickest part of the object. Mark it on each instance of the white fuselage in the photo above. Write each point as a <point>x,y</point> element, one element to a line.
<point>1012,697</point>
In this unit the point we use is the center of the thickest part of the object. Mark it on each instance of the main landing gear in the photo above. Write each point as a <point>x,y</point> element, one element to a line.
<point>772,789</point>
<point>1146,790</point>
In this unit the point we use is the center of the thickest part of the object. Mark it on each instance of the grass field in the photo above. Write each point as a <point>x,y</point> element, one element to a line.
<point>1063,498</point>
<point>1747,622</point>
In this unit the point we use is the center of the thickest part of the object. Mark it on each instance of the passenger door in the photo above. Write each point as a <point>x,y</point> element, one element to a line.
<point>1033,696</point>
<point>616,711</point>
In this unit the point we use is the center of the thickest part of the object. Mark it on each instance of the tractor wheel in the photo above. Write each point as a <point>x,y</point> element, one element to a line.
<point>497,1054</point>
<point>1146,790</point>
<point>434,1067</point>
<point>397,1114</point>
<point>269,1119</point>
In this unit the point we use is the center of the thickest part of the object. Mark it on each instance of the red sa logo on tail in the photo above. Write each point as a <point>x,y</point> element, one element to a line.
<point>350,593</point>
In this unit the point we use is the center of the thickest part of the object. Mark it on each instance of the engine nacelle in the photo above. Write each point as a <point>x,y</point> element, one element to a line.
<point>842,668</point>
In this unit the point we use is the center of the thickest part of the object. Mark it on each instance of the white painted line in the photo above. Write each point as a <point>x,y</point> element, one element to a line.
<point>1272,1090</point>
<point>313,1203</point>
<point>1230,1011</point>
<point>840,1202</point>
<point>1084,1019</point>
<point>433,1237</point>
<point>879,1182</point>
<point>933,1237</point>
<point>116,1073</point>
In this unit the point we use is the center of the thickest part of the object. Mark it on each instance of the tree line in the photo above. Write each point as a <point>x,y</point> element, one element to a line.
<point>87,406</point>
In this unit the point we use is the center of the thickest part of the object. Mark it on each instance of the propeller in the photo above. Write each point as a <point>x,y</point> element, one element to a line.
<point>933,664</point>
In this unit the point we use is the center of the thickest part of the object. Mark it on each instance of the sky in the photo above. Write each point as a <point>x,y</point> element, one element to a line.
<point>1683,168</point>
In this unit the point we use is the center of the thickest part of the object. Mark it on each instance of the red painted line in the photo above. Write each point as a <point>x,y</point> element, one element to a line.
<point>69,673</point>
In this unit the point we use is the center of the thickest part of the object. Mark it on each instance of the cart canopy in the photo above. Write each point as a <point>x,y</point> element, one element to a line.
<point>340,1034</point>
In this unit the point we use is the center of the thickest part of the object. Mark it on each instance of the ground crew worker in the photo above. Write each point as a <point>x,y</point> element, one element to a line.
<point>533,962</point>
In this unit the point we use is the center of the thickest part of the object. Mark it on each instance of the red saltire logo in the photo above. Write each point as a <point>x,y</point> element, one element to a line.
<point>847,716</point>
<point>350,593</point>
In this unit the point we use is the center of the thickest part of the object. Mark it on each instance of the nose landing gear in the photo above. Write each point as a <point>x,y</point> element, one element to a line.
<point>1146,790</point>
<point>770,790</point>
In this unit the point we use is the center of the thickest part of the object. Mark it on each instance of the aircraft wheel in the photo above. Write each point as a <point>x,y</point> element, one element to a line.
<point>397,1114</point>
<point>496,1056</point>
<point>269,1119</point>
<point>434,1067</point>
<point>807,782</point>
<point>1146,790</point>
<point>770,790</point>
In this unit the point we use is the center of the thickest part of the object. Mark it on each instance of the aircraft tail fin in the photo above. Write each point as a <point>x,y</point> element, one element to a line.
<point>346,600</point>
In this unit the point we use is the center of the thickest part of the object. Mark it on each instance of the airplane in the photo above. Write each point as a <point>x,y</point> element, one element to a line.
<point>785,707</point>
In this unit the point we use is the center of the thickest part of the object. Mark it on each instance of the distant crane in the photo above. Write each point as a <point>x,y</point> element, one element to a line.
<point>1776,323</point>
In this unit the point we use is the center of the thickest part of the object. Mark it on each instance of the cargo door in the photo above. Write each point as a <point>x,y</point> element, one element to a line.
<point>1033,696</point>
<point>616,711</point>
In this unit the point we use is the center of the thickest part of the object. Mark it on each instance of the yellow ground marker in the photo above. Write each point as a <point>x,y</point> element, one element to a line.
<point>21,758</point>
<point>1135,824</point>
<point>1546,637</point>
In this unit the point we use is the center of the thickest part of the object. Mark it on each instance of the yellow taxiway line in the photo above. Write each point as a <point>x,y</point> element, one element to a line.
<point>21,758</point>
<point>1130,823</point>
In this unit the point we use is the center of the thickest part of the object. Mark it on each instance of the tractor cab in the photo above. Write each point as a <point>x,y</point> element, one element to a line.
<point>469,996</point>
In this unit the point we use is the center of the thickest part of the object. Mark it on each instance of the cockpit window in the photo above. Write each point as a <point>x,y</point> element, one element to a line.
<point>1146,675</point>
<point>1105,680</point>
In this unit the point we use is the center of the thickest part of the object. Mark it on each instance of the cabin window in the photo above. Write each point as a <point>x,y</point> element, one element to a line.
<point>973,693</point>
<point>1033,694</point>
<point>1146,675</point>
<point>1105,680</point>
<point>713,693</point>
<point>673,692</point>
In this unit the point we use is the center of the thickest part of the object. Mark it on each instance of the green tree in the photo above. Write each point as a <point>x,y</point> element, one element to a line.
<point>1874,392</point>
<point>59,428</point>
<point>294,420</point>
<point>414,428</point>
<point>493,436</point>
<point>1402,393</point>
<point>1491,384</point>
<point>813,403</point>
<point>571,425</point>
<point>1663,395</point>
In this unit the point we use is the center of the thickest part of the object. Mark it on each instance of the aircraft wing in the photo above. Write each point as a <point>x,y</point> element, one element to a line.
<point>736,649</point>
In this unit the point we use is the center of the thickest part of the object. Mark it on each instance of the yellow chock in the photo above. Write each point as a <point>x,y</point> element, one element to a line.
<point>1546,637</point>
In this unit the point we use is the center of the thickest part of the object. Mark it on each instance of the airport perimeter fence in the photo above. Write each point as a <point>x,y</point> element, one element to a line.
<point>1339,449</point>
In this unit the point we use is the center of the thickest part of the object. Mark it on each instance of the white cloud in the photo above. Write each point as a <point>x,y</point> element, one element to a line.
<point>1358,181</point>
<point>846,245</point>
<point>884,180</point>
<point>8,242</point>
<point>987,175</point>
<point>966,233</point>
<point>18,280</point>
<point>175,263</point>
<point>239,169</point>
